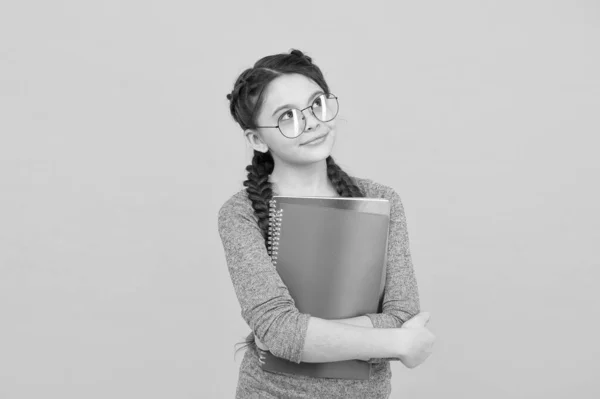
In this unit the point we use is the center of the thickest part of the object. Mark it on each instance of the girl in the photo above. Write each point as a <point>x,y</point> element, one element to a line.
<point>287,113</point>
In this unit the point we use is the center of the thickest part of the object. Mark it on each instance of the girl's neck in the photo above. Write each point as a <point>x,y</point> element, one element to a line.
<point>309,180</point>
<point>296,191</point>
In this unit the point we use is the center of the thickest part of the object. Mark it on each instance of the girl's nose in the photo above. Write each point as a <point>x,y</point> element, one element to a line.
<point>312,122</point>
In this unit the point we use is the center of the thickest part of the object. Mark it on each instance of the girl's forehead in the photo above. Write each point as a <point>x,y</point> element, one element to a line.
<point>289,89</point>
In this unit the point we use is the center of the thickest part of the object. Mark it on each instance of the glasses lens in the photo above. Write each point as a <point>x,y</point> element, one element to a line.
<point>292,123</point>
<point>325,107</point>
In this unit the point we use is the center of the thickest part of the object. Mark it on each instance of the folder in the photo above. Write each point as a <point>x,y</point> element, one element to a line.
<point>331,253</point>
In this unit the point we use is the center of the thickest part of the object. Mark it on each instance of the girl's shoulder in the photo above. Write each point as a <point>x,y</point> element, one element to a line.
<point>372,188</point>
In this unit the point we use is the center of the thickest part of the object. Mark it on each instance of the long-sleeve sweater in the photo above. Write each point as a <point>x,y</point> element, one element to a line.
<point>270,311</point>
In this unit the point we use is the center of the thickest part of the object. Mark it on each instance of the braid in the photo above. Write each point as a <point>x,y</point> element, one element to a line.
<point>259,189</point>
<point>241,97</point>
<point>341,181</point>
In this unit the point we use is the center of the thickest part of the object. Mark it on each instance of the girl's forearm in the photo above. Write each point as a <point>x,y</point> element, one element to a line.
<point>361,321</point>
<point>328,341</point>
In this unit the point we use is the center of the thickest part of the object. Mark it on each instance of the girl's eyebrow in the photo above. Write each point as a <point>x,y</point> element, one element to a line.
<point>291,105</point>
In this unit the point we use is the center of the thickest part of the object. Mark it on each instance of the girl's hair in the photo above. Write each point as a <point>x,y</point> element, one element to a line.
<point>246,100</point>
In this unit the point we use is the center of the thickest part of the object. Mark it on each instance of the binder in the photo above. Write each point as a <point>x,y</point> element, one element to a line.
<point>331,253</point>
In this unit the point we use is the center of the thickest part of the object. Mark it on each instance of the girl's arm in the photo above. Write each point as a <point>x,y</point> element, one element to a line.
<point>401,295</point>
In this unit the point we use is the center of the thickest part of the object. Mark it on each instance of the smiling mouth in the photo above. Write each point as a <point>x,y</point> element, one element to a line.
<point>313,140</point>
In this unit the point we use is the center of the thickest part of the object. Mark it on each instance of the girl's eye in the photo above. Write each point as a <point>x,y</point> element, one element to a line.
<point>287,115</point>
<point>318,102</point>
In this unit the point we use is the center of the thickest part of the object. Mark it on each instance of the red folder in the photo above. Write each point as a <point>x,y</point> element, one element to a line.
<point>331,253</point>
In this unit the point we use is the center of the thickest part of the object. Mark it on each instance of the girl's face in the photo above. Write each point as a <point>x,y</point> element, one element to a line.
<point>282,94</point>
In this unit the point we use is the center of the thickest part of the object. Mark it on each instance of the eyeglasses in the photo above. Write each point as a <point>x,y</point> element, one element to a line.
<point>292,122</point>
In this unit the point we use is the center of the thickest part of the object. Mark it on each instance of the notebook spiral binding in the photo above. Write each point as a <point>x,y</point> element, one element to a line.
<point>275,218</point>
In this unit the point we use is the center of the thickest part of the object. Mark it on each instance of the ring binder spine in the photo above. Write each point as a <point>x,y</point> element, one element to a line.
<point>275,218</point>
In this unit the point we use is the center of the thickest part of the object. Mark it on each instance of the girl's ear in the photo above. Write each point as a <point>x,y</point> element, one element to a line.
<point>255,140</point>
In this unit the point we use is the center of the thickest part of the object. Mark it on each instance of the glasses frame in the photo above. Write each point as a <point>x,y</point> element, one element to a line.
<point>304,118</point>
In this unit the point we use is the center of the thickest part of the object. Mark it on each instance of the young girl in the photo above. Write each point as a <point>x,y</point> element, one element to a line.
<point>287,113</point>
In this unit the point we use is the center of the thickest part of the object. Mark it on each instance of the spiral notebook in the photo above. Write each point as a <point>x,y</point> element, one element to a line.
<point>331,253</point>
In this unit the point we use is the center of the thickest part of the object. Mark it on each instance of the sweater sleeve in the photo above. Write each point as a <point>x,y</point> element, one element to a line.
<point>266,304</point>
<point>401,295</point>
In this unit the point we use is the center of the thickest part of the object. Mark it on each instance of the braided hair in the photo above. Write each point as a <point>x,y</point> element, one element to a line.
<point>245,101</point>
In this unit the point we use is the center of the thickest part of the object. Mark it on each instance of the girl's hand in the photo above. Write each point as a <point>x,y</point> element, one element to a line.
<point>417,342</point>
<point>261,350</point>
<point>260,344</point>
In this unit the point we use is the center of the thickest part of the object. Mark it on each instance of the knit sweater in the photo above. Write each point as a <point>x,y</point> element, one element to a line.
<point>271,314</point>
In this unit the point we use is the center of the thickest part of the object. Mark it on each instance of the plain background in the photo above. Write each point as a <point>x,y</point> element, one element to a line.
<point>117,150</point>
